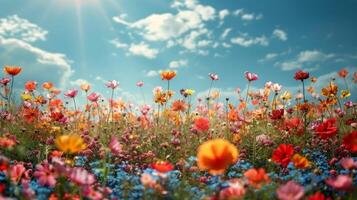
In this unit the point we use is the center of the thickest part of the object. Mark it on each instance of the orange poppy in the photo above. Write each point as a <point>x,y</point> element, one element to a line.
<point>167,75</point>
<point>30,86</point>
<point>256,177</point>
<point>300,161</point>
<point>47,85</point>
<point>12,70</point>
<point>216,155</point>
<point>179,105</point>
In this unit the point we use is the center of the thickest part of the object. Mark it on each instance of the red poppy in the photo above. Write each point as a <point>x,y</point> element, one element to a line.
<point>293,124</point>
<point>30,86</point>
<point>301,75</point>
<point>277,114</point>
<point>162,166</point>
<point>343,73</point>
<point>202,124</point>
<point>318,196</point>
<point>327,128</point>
<point>350,142</point>
<point>282,155</point>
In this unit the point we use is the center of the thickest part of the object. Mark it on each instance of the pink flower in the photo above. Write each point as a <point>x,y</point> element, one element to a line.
<point>112,84</point>
<point>213,76</point>
<point>341,182</point>
<point>290,191</point>
<point>145,109</point>
<point>71,93</point>
<point>235,190</point>
<point>81,176</point>
<point>93,97</point>
<point>140,84</point>
<point>115,146</point>
<point>5,81</point>
<point>16,172</point>
<point>268,84</point>
<point>348,163</point>
<point>45,174</point>
<point>250,76</point>
<point>276,87</point>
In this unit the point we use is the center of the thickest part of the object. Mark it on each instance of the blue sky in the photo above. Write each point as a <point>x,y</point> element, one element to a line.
<point>74,41</point>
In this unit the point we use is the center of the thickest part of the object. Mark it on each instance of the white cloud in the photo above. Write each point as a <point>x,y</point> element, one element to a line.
<point>79,82</point>
<point>119,44</point>
<point>16,27</point>
<point>308,57</point>
<point>225,33</point>
<point>246,41</point>
<point>280,34</point>
<point>223,13</point>
<point>178,63</point>
<point>247,16</point>
<point>151,73</point>
<point>143,49</point>
<point>38,64</point>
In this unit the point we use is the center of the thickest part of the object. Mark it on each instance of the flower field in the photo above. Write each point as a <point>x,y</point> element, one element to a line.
<point>267,143</point>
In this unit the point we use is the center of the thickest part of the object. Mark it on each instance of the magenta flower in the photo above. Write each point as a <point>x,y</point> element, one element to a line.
<point>71,93</point>
<point>115,146</point>
<point>5,81</point>
<point>81,176</point>
<point>140,84</point>
<point>290,191</point>
<point>250,76</point>
<point>213,76</point>
<point>45,174</point>
<point>93,97</point>
<point>341,182</point>
<point>112,84</point>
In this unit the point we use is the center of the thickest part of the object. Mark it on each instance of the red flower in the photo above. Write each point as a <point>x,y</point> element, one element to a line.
<point>343,73</point>
<point>301,75</point>
<point>162,166</point>
<point>202,124</point>
<point>318,196</point>
<point>294,124</point>
<point>282,155</point>
<point>327,128</point>
<point>30,86</point>
<point>277,114</point>
<point>350,142</point>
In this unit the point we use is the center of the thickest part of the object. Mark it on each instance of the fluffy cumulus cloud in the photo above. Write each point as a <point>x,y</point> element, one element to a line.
<point>143,49</point>
<point>151,73</point>
<point>245,16</point>
<point>16,38</point>
<point>246,41</point>
<point>280,34</point>
<point>178,63</point>
<point>307,57</point>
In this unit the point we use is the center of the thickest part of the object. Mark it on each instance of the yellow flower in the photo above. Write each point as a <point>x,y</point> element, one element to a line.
<point>330,90</point>
<point>216,155</point>
<point>286,96</point>
<point>345,94</point>
<point>189,91</point>
<point>300,161</point>
<point>26,97</point>
<point>215,95</point>
<point>70,143</point>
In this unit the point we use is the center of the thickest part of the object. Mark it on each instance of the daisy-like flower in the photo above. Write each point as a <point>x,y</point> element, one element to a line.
<point>70,143</point>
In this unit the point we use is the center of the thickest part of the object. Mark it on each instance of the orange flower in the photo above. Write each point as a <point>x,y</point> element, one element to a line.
<point>162,166</point>
<point>30,86</point>
<point>300,161</point>
<point>256,177</point>
<point>70,143</point>
<point>216,155</point>
<point>85,87</point>
<point>179,105</point>
<point>167,75</point>
<point>47,85</point>
<point>12,70</point>
<point>330,90</point>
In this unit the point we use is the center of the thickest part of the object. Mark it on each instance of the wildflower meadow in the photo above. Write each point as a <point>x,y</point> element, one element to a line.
<point>266,143</point>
